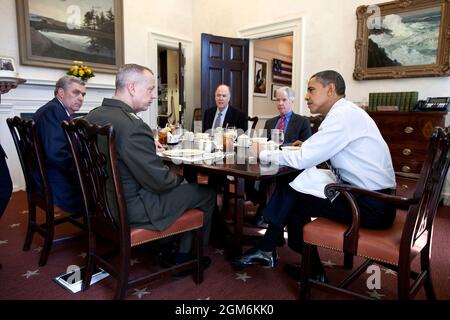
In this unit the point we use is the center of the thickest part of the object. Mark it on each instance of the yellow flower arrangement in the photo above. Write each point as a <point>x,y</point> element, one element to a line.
<point>81,71</point>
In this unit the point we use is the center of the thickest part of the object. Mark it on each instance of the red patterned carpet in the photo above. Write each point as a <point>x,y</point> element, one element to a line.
<point>22,278</point>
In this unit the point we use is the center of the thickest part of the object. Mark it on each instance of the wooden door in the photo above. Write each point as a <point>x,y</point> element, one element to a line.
<point>225,60</point>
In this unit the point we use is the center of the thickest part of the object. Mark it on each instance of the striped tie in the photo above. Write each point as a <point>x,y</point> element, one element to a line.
<point>281,125</point>
<point>217,122</point>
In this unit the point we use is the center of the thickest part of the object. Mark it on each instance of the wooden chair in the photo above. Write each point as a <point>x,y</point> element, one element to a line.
<point>396,247</point>
<point>315,122</point>
<point>104,200</point>
<point>31,158</point>
<point>254,121</point>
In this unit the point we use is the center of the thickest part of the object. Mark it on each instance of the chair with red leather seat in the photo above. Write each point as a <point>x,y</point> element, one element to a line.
<point>396,248</point>
<point>94,151</point>
<point>31,158</point>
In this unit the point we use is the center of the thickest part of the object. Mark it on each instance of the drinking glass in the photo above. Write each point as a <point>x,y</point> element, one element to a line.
<point>228,139</point>
<point>218,139</point>
<point>178,132</point>
<point>277,136</point>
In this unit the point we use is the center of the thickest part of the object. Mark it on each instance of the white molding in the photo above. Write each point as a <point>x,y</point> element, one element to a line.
<point>275,52</point>
<point>51,83</point>
<point>157,38</point>
<point>19,105</point>
<point>6,108</point>
<point>294,26</point>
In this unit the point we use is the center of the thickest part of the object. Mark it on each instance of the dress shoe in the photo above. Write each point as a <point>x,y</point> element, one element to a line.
<point>205,262</point>
<point>257,257</point>
<point>294,272</point>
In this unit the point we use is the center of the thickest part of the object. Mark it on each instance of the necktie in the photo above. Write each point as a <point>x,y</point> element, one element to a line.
<point>217,122</point>
<point>281,125</point>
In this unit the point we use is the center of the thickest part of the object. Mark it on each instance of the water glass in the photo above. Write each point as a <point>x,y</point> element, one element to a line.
<point>277,136</point>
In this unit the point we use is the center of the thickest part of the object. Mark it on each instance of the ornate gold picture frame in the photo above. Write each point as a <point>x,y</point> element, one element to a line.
<point>54,33</point>
<point>403,39</point>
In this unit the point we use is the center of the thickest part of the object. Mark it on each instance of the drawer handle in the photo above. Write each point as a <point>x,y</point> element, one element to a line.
<point>406,169</point>
<point>404,187</point>
<point>407,152</point>
<point>409,130</point>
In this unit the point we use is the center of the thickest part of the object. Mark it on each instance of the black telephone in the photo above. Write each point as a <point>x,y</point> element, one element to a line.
<point>434,104</point>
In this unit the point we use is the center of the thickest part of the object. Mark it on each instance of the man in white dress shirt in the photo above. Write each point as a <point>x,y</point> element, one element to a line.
<point>351,141</point>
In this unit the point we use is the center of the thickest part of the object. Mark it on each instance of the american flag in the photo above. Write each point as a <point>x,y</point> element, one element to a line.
<point>282,72</point>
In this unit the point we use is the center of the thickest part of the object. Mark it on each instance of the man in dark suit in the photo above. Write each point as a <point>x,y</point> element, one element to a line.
<point>61,172</point>
<point>224,115</point>
<point>155,196</point>
<point>296,127</point>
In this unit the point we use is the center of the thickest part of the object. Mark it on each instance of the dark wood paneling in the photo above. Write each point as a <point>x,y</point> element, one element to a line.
<point>216,51</point>
<point>236,53</point>
<point>407,135</point>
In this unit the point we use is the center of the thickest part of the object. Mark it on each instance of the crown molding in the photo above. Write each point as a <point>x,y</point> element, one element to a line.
<point>51,83</point>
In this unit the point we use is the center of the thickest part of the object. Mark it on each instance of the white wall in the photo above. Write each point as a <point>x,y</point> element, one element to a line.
<point>280,48</point>
<point>329,35</point>
<point>329,31</point>
<point>169,17</point>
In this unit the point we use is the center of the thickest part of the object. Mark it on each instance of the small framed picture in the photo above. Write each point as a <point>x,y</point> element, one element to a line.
<point>275,87</point>
<point>7,67</point>
<point>260,78</point>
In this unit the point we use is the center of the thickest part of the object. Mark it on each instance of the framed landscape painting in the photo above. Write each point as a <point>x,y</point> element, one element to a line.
<point>403,39</point>
<point>54,33</point>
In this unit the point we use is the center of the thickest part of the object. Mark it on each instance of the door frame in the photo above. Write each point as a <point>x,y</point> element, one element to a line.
<point>170,41</point>
<point>292,26</point>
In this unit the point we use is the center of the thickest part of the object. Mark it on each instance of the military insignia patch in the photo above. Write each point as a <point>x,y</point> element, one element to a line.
<point>134,116</point>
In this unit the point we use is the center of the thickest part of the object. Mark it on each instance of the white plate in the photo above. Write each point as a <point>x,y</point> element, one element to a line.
<point>183,153</point>
<point>290,148</point>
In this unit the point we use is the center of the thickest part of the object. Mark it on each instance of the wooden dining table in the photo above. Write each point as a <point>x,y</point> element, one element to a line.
<point>240,165</point>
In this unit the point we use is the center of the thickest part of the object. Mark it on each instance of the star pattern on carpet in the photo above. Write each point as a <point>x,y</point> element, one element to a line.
<point>29,273</point>
<point>134,261</point>
<point>83,255</point>
<point>220,251</point>
<point>39,249</point>
<point>3,242</point>
<point>390,271</point>
<point>141,292</point>
<point>375,295</point>
<point>328,264</point>
<point>242,276</point>
<point>14,225</point>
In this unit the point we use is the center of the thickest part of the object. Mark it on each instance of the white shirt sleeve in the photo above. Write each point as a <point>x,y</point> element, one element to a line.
<point>331,138</point>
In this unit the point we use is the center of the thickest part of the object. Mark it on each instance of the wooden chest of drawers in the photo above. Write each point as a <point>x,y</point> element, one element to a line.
<point>407,135</point>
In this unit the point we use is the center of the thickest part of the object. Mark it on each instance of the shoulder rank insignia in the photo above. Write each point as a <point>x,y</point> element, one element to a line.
<point>134,116</point>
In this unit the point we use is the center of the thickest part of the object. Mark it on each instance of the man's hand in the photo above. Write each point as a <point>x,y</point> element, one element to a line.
<point>159,147</point>
<point>297,143</point>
